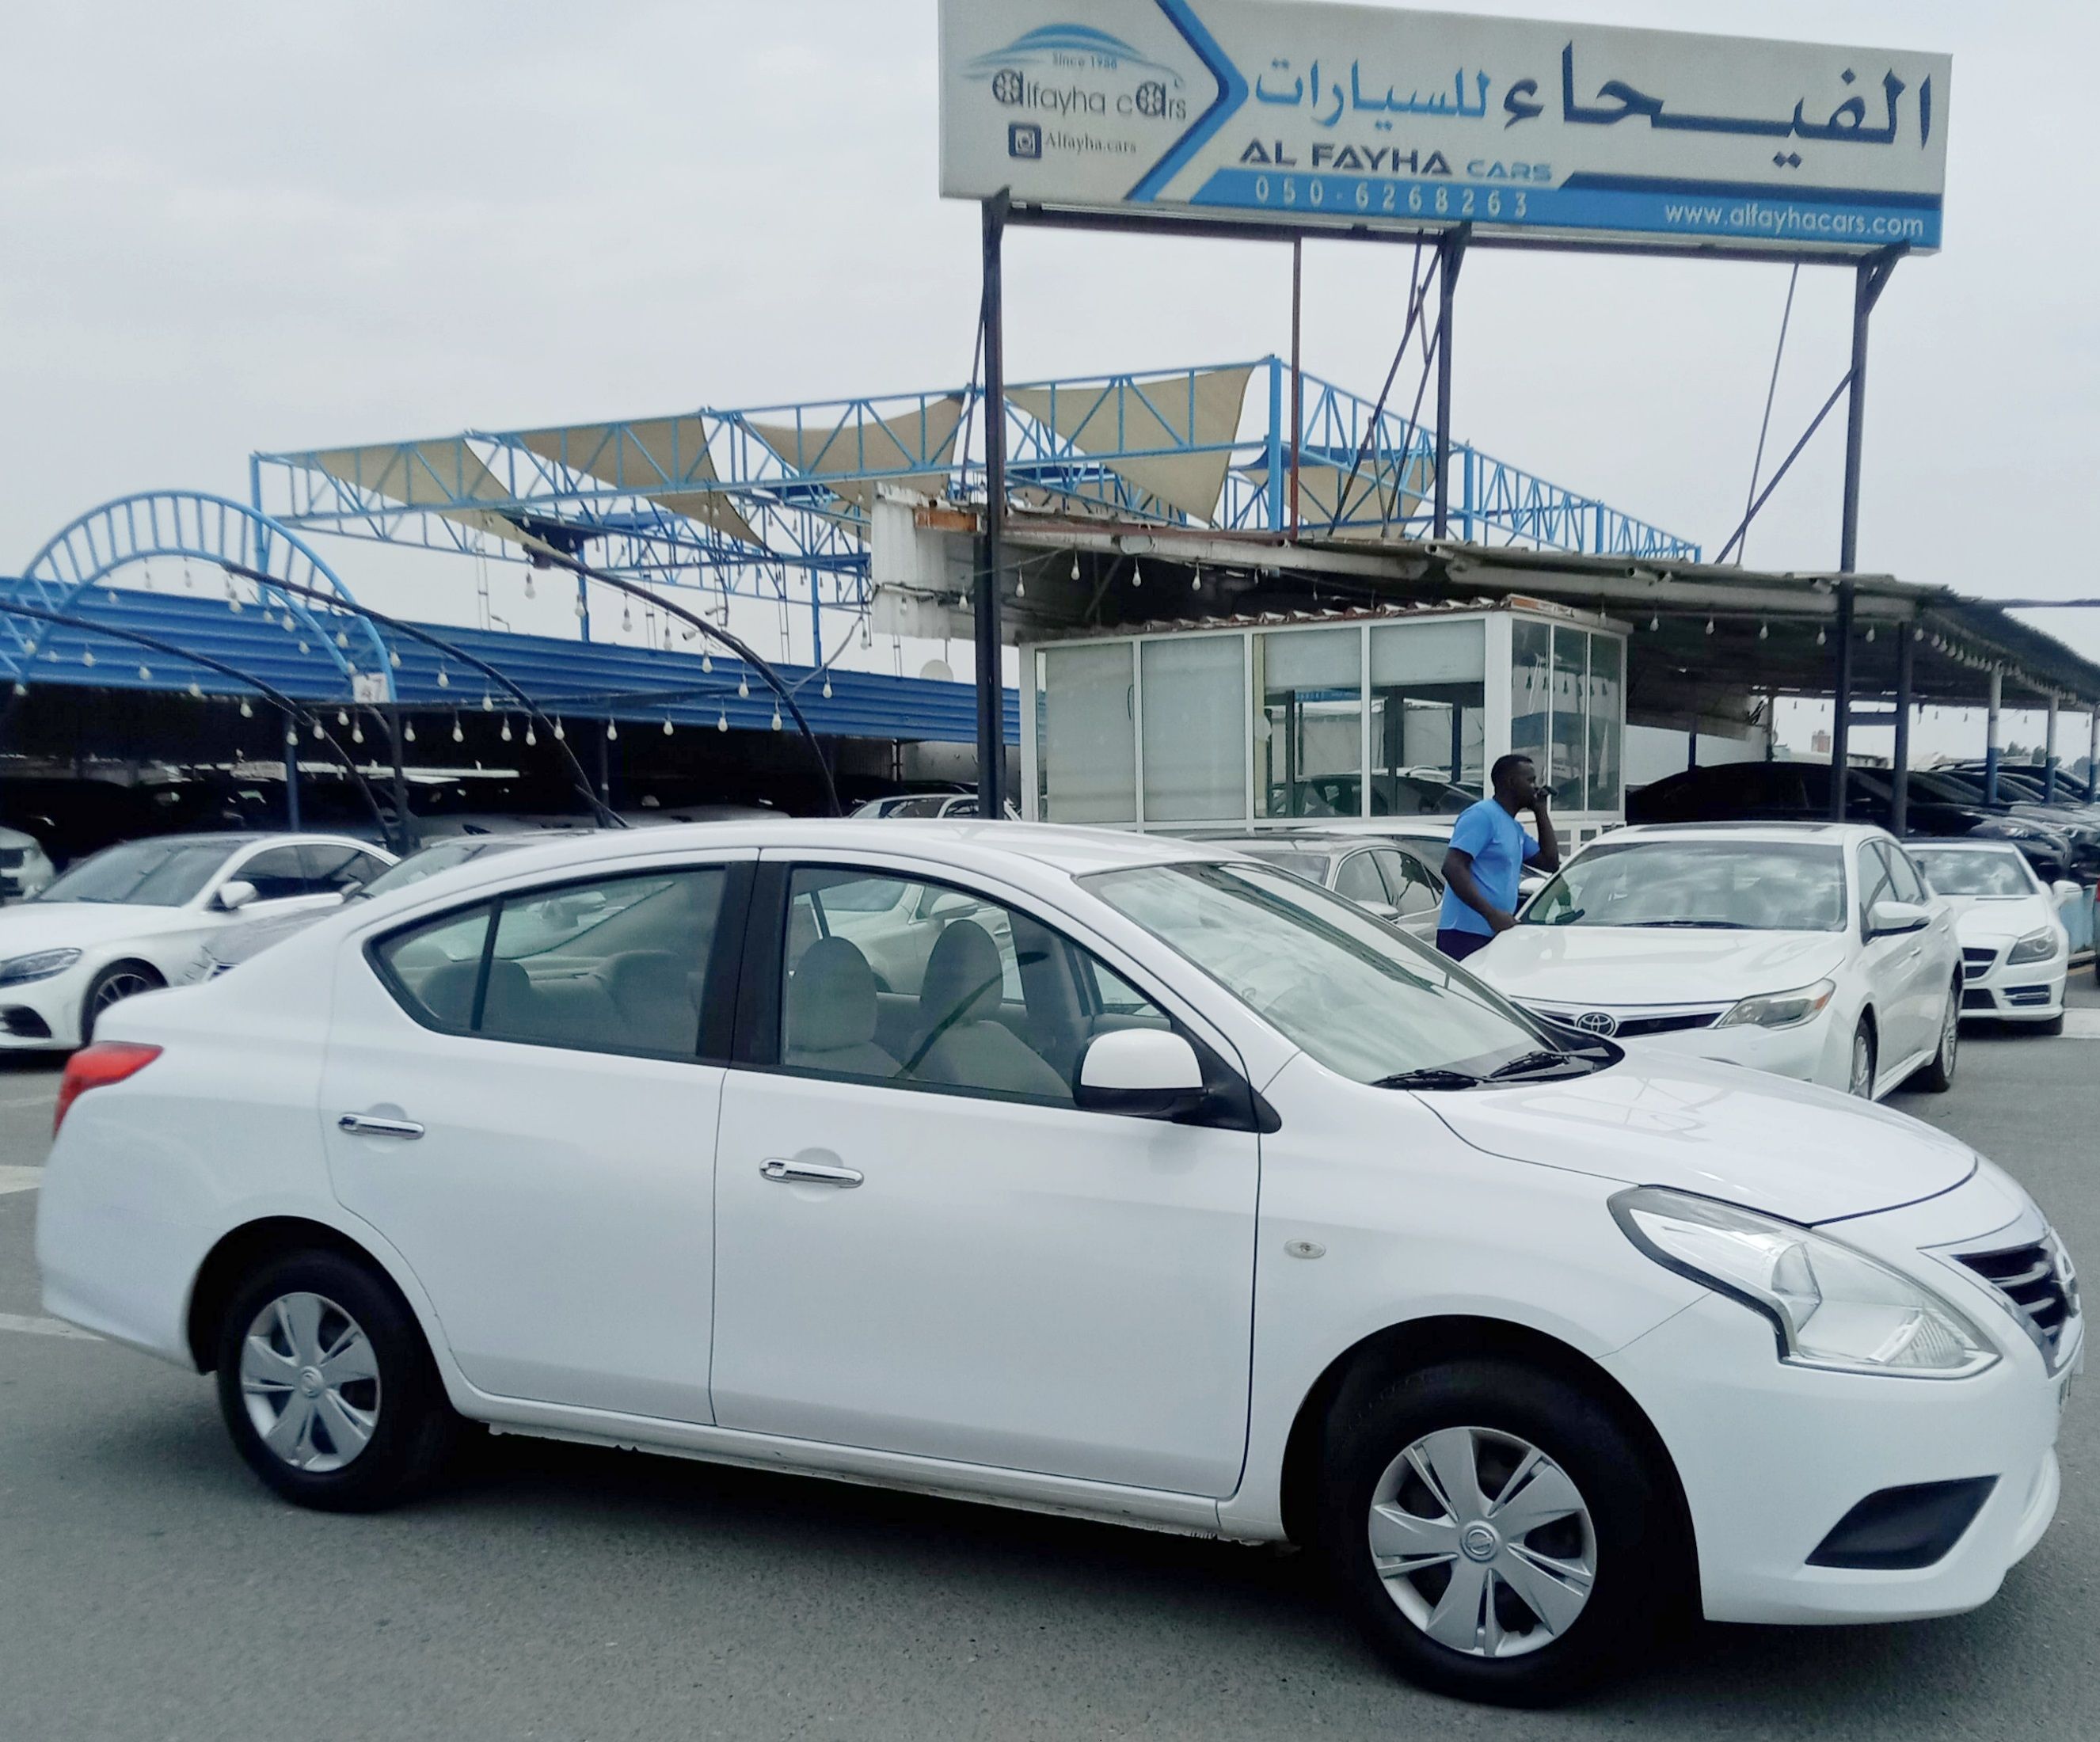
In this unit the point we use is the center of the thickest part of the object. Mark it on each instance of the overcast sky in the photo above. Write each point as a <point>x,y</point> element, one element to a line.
<point>263,225</point>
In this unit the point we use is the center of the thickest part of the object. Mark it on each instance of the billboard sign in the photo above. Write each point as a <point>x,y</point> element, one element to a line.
<point>1340,116</point>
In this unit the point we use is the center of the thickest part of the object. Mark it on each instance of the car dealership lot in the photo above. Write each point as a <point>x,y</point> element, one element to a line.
<point>156,1590</point>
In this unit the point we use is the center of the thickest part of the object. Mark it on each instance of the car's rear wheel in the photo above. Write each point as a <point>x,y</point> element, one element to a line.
<point>1497,1531</point>
<point>1861,1080</point>
<point>327,1386</point>
<point>112,985</point>
<point>1937,1077</point>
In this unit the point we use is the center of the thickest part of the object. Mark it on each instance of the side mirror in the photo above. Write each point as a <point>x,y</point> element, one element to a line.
<point>2064,890</point>
<point>1141,1073</point>
<point>1889,919</point>
<point>235,895</point>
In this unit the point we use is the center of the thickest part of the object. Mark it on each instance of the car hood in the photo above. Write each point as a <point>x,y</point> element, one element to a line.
<point>1987,919</point>
<point>77,925</point>
<point>1723,1130</point>
<point>1618,965</point>
<point>250,938</point>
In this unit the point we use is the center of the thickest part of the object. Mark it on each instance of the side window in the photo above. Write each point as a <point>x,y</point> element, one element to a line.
<point>278,873</point>
<point>1359,881</point>
<point>619,965</point>
<point>1876,883</point>
<point>926,984</point>
<point>1904,878</point>
<point>1416,889</point>
<point>337,870</point>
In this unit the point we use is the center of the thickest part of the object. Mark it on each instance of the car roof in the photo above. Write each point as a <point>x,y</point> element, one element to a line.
<point>1824,834</point>
<point>1942,844</point>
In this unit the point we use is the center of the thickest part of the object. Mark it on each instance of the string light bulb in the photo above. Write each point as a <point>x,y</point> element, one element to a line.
<point>531,591</point>
<point>776,717</point>
<point>1709,625</point>
<point>408,731</point>
<point>1075,565</point>
<point>196,689</point>
<point>1136,574</point>
<point>611,732</point>
<point>828,689</point>
<point>1654,623</point>
<point>247,708</point>
<point>88,657</point>
<point>743,688</point>
<point>145,674</point>
<point>721,720</point>
<point>1822,636</point>
<point>707,659</point>
<point>561,735</point>
<point>531,738</point>
<point>506,728</point>
<point>357,733</point>
<point>1764,632</point>
<point>667,725</point>
<point>459,736</point>
<point>444,676</point>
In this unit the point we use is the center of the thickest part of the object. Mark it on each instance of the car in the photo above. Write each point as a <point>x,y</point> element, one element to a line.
<point>2015,949</point>
<point>1182,1194</point>
<point>1800,792</point>
<point>1383,877</point>
<point>921,806</point>
<point>1814,950</point>
<point>1327,798</point>
<point>25,868</point>
<point>2080,826</point>
<point>130,919</point>
<point>1427,837</point>
<point>230,945</point>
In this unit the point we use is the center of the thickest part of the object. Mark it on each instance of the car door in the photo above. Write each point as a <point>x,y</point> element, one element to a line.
<point>285,880</point>
<point>1356,879</point>
<point>1939,949</point>
<point>521,1095</point>
<point>1891,964</point>
<point>1417,892</point>
<point>923,1247</point>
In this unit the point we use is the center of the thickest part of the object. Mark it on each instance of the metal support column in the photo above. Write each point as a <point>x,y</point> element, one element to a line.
<point>292,773</point>
<point>1841,719</point>
<point>1899,781</point>
<point>2092,759</point>
<point>404,829</point>
<point>1450,253</point>
<point>1297,370</point>
<point>991,643</point>
<point>1278,489</point>
<point>1991,726</point>
<point>2048,757</point>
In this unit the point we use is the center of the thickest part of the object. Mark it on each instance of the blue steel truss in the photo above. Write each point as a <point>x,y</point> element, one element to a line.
<point>772,502</point>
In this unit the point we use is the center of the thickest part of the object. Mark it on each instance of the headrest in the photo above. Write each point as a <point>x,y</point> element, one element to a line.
<point>964,977</point>
<point>448,993</point>
<point>510,1002</point>
<point>645,973</point>
<point>830,1000</point>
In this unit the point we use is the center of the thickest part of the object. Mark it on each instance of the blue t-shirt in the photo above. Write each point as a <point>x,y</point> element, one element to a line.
<point>1501,850</point>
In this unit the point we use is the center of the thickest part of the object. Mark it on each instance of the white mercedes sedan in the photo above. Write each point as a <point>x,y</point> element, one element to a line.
<point>131,919</point>
<point>1176,1192</point>
<point>1814,950</point>
<point>2015,948</point>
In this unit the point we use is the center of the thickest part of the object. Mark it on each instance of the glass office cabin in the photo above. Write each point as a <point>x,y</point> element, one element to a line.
<point>1290,723</point>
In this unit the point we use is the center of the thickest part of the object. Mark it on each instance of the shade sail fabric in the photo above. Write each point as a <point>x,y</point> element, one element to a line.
<point>857,453</point>
<point>1376,504</point>
<point>1112,421</point>
<point>446,477</point>
<point>659,458</point>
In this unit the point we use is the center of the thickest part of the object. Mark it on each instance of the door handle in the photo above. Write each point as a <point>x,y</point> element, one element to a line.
<point>364,1125</point>
<point>810,1173</point>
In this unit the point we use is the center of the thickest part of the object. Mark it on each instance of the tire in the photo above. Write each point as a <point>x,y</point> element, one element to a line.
<point>114,983</point>
<point>2054,1026</point>
<point>1863,1036</point>
<point>1392,1439</point>
<point>283,1328</point>
<point>1937,1077</point>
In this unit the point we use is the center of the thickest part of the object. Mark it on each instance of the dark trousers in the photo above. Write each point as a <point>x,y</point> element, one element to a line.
<point>1460,944</point>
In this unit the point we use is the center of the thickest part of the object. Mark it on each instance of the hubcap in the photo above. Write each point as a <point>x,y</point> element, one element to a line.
<point>123,986</point>
<point>1950,1033</point>
<point>311,1381</point>
<point>1484,1542</point>
<point>1863,1065</point>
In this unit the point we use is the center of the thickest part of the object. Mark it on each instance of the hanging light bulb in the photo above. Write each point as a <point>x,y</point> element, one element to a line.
<point>561,735</point>
<point>459,736</point>
<point>247,708</point>
<point>828,689</point>
<point>583,610</point>
<point>342,716</point>
<point>1137,574</point>
<point>291,738</point>
<point>88,657</point>
<point>145,674</point>
<point>408,732</point>
<point>319,734</point>
<point>394,658</point>
<point>531,738</point>
<point>667,725</point>
<point>611,732</point>
<point>1075,565</point>
<point>721,720</point>
<point>627,615</point>
<point>742,687</point>
<point>1196,581</point>
<point>1655,622</point>
<point>21,688</point>
<point>1822,636</point>
<point>343,638</point>
<point>1020,587</point>
<point>776,717</point>
<point>707,659</point>
<point>1709,625</point>
<point>444,676</point>
<point>1918,634</point>
<point>1870,631</point>
<point>1764,632</point>
<point>487,702</point>
<point>357,733</point>
<point>531,592</point>
<point>303,647</point>
<point>506,728</point>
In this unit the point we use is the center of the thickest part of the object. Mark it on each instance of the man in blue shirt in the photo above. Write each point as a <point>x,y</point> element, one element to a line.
<point>1489,850</point>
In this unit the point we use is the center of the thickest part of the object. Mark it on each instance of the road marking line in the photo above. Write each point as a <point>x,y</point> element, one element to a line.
<point>20,1180</point>
<point>26,1100</point>
<point>44,1327</point>
<point>2082,1025</point>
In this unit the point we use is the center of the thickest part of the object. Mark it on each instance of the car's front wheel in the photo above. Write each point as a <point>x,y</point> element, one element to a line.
<point>327,1386</point>
<point>112,985</point>
<point>1860,1080</point>
<point>1498,1533</point>
<point>1937,1078</point>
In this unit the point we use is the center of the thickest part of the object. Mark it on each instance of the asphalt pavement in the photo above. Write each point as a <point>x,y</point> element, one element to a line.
<point>150,1589</point>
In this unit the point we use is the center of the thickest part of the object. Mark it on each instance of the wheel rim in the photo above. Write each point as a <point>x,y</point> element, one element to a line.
<point>309,1378</point>
<point>1863,1064</point>
<point>1483,1543</point>
<point>118,987</point>
<point>1950,1033</point>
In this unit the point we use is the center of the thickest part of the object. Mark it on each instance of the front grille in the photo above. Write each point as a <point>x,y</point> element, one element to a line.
<point>1638,1025</point>
<point>11,857</point>
<point>2027,995</point>
<point>1976,963</point>
<point>24,1024</point>
<point>2038,1282</point>
<point>217,968</point>
<point>1974,1000</point>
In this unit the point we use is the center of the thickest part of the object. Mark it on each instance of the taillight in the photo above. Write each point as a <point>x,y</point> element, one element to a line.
<point>96,1067</point>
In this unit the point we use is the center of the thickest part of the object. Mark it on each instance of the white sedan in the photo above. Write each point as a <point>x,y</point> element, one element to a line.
<point>132,919</point>
<point>25,868</point>
<point>1814,950</point>
<point>1180,1193</point>
<point>2015,948</point>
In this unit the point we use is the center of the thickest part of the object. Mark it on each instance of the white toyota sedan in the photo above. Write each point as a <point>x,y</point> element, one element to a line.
<point>1178,1193</point>
<point>131,919</point>
<point>1814,950</point>
<point>2015,949</point>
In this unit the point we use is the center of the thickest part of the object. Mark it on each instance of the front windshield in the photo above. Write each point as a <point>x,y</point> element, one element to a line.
<point>1365,1001</point>
<point>1723,885</point>
<point>1313,867</point>
<point>141,874</point>
<point>448,856</point>
<point>2003,874</point>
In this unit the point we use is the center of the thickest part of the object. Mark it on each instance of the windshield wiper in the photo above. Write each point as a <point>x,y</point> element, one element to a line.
<point>1532,1062</point>
<point>1430,1079</point>
<point>1696,925</point>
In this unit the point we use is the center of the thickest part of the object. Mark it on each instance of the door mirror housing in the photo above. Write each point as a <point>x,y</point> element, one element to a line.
<point>234,894</point>
<point>1142,1074</point>
<point>2064,890</point>
<point>1890,919</point>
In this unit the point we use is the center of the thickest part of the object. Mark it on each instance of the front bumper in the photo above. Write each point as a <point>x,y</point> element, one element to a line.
<point>44,1014</point>
<point>1807,1051</point>
<point>2032,992</point>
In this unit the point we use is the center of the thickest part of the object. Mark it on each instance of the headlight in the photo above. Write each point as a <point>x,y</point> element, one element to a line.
<point>22,969</point>
<point>1781,1009</point>
<point>1831,1306</point>
<point>2036,946</point>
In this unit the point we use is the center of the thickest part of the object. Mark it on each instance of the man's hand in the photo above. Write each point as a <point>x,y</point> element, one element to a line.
<point>1539,802</point>
<point>1499,922</point>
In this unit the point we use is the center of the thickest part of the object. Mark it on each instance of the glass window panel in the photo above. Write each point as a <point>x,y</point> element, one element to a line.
<point>1308,736</point>
<point>1570,774</point>
<point>278,873</point>
<point>1416,889</point>
<point>433,969</point>
<point>1195,728</point>
<point>1606,720</point>
<point>1359,880</point>
<point>1531,680</point>
<point>1087,738</point>
<point>1428,718</point>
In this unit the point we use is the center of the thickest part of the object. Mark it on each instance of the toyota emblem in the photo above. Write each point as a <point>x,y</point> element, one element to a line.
<point>1601,1023</point>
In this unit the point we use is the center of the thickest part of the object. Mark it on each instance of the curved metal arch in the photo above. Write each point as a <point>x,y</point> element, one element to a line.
<point>213,529</point>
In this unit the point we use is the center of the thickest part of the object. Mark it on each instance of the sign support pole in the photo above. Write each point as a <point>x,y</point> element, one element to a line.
<point>1906,680</point>
<point>1871,278</point>
<point>990,642</point>
<point>1450,252</point>
<point>1990,730</point>
<point>1297,373</point>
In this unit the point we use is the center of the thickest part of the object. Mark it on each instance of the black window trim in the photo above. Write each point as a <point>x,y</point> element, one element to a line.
<point>717,996</point>
<point>1232,1103</point>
